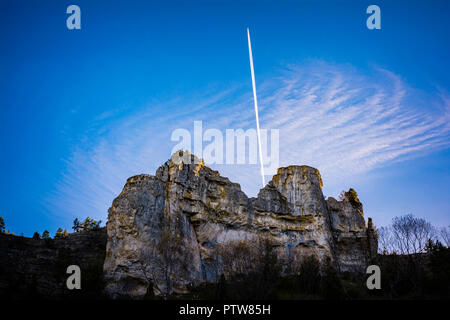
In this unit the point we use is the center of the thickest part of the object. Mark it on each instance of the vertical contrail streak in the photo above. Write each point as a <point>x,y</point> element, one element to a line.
<point>256,107</point>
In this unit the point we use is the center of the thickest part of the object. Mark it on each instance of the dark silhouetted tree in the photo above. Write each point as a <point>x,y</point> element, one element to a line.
<point>59,233</point>
<point>87,224</point>
<point>45,235</point>
<point>439,264</point>
<point>331,285</point>
<point>444,233</point>
<point>2,225</point>
<point>310,275</point>
<point>76,225</point>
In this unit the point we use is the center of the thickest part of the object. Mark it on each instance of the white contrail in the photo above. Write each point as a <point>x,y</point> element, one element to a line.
<point>256,107</point>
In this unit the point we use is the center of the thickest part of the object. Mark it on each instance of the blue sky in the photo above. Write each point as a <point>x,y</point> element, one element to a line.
<point>82,110</point>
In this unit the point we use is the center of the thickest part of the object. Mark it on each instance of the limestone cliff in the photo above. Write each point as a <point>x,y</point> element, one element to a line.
<point>165,230</point>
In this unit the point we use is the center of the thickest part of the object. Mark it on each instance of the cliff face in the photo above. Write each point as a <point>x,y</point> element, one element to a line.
<point>165,230</point>
<point>32,268</point>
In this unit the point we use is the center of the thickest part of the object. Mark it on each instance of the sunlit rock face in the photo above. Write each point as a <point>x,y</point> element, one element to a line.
<point>302,187</point>
<point>353,241</point>
<point>166,229</point>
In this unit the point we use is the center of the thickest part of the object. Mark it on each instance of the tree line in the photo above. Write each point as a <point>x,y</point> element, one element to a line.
<point>410,235</point>
<point>87,224</point>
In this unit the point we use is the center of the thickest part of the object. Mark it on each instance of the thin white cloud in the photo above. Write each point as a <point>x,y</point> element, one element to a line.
<point>331,117</point>
<point>344,123</point>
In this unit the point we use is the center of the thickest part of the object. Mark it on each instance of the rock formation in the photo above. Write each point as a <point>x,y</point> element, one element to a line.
<point>163,231</point>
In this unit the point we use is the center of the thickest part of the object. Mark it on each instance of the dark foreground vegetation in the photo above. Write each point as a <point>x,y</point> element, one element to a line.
<point>423,276</point>
<point>414,264</point>
<point>34,269</point>
<point>411,268</point>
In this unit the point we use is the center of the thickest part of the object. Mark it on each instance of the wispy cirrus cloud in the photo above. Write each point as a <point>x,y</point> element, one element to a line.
<point>333,117</point>
<point>343,122</point>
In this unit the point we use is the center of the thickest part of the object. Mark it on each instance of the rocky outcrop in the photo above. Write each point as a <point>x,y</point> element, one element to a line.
<point>354,242</point>
<point>164,231</point>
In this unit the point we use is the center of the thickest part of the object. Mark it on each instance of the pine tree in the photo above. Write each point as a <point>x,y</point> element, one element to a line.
<point>45,235</point>
<point>59,233</point>
<point>76,225</point>
<point>86,224</point>
<point>36,236</point>
<point>90,224</point>
<point>2,225</point>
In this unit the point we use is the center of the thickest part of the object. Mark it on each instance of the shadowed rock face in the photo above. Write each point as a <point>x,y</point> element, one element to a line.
<point>165,229</point>
<point>353,241</point>
<point>36,268</point>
